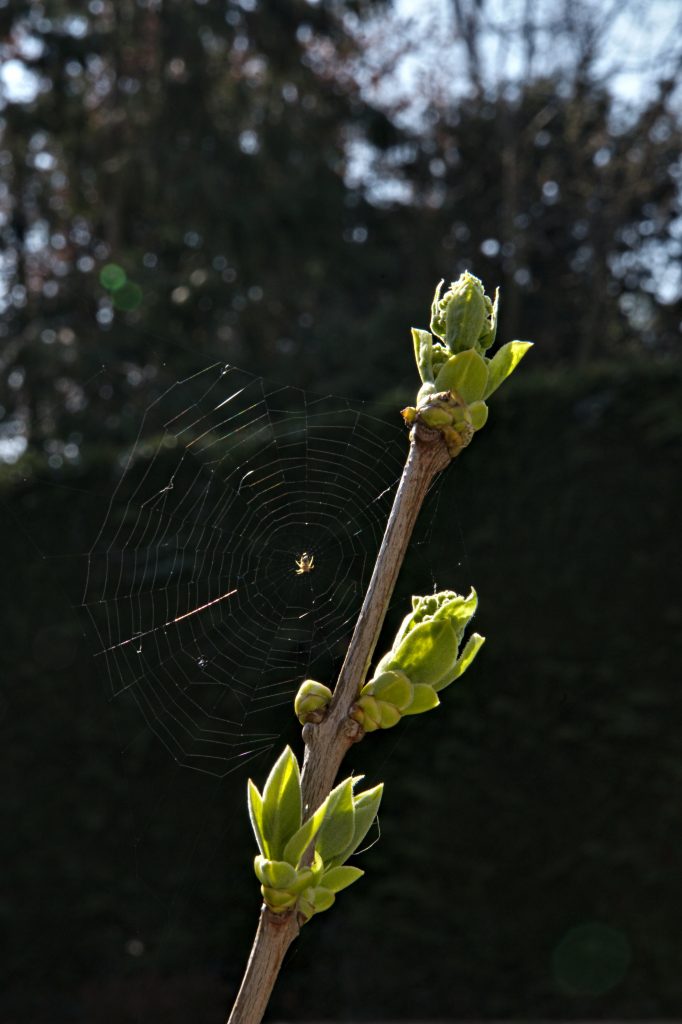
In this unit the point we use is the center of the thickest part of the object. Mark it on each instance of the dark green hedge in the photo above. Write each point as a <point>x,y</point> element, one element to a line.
<point>542,797</point>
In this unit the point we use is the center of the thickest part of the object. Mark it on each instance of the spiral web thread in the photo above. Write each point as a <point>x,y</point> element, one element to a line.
<point>192,587</point>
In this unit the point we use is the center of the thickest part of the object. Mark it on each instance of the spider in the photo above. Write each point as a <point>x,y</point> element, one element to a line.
<point>305,563</point>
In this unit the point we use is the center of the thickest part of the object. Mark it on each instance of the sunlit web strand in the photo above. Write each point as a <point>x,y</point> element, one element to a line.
<point>200,617</point>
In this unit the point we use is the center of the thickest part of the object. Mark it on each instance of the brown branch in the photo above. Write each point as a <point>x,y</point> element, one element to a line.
<point>327,743</point>
<point>274,935</point>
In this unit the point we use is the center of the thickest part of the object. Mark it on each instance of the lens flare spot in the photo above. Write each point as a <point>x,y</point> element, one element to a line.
<point>591,959</point>
<point>127,297</point>
<point>112,277</point>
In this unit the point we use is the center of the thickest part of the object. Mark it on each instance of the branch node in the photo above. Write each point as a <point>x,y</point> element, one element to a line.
<point>353,730</point>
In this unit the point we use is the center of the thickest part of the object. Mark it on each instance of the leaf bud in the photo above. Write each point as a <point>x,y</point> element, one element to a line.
<point>391,687</point>
<point>277,900</point>
<point>464,317</point>
<point>426,647</point>
<point>367,712</point>
<point>311,701</point>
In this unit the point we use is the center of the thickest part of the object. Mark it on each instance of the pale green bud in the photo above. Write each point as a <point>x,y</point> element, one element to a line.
<point>314,901</point>
<point>390,715</point>
<point>277,900</point>
<point>446,605</point>
<point>277,874</point>
<point>392,688</point>
<point>453,364</point>
<point>311,701</point>
<point>382,700</point>
<point>463,317</point>
<point>367,712</point>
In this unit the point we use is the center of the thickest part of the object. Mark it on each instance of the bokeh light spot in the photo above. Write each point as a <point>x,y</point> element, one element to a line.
<point>127,297</point>
<point>112,277</point>
<point>591,959</point>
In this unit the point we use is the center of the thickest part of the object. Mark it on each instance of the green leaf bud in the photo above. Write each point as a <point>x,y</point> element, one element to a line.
<point>457,376</point>
<point>448,605</point>
<point>462,315</point>
<point>277,900</point>
<point>390,687</point>
<point>390,715</point>
<point>436,415</point>
<point>311,701</point>
<point>425,650</point>
<point>315,901</point>
<point>276,874</point>
<point>367,713</point>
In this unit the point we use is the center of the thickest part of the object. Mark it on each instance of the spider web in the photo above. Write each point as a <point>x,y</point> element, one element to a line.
<point>201,617</point>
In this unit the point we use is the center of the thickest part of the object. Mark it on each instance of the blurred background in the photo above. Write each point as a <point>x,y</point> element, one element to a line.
<point>278,185</point>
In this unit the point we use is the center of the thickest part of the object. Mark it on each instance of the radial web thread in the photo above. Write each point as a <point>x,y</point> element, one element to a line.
<point>200,615</point>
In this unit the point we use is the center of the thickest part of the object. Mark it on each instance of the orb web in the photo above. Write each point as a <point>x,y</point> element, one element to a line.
<point>202,616</point>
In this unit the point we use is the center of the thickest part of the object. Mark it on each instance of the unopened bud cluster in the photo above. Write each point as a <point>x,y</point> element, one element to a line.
<point>424,659</point>
<point>457,376</point>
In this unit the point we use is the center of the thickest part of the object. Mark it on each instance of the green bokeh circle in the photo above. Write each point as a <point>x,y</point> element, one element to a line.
<point>127,297</point>
<point>591,959</point>
<point>112,277</point>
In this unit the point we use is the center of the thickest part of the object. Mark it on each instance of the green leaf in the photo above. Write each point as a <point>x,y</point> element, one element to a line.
<point>302,839</point>
<point>423,344</point>
<point>338,827</point>
<point>428,652</point>
<point>366,808</point>
<point>405,625</point>
<point>340,878</point>
<point>282,803</point>
<point>466,373</point>
<point>473,646</point>
<point>479,414</point>
<point>425,698</point>
<point>437,318</point>
<point>503,363</point>
<point>255,802</point>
